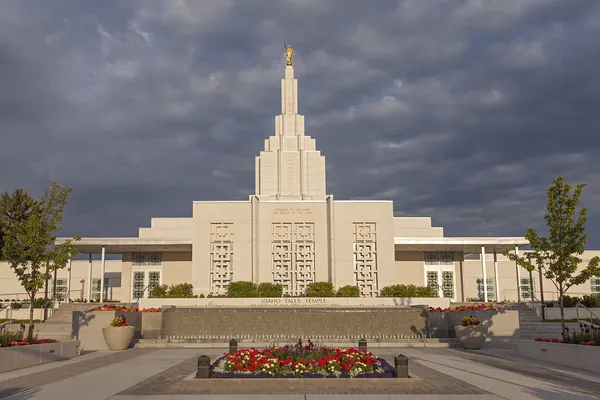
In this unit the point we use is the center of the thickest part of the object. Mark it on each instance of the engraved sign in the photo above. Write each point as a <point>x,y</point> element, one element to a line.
<point>292,211</point>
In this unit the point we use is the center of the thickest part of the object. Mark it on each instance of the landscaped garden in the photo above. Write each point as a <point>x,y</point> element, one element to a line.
<point>586,335</point>
<point>10,339</point>
<point>304,361</point>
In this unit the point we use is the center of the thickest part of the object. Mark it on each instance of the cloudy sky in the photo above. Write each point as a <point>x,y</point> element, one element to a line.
<point>460,110</point>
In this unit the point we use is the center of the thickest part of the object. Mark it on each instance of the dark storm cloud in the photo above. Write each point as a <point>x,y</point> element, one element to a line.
<point>459,110</point>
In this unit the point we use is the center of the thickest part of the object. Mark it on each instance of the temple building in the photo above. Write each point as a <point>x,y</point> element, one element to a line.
<point>293,232</point>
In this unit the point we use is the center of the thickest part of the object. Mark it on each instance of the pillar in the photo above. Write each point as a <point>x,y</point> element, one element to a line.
<point>496,277</point>
<point>89,296</point>
<point>518,276</point>
<point>484,273</point>
<point>69,280</point>
<point>102,274</point>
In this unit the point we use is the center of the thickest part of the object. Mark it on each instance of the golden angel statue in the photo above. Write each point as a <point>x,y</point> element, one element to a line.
<point>288,53</point>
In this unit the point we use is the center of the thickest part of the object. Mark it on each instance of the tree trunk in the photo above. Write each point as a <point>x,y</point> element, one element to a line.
<point>30,330</point>
<point>562,313</point>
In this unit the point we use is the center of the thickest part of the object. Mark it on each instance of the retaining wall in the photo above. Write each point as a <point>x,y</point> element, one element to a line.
<point>503,326</point>
<point>293,322</point>
<point>18,357</point>
<point>568,355</point>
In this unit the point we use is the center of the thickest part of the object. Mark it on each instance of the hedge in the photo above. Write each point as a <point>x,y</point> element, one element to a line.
<point>407,291</point>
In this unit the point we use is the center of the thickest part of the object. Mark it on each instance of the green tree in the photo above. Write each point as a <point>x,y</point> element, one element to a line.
<point>15,209</point>
<point>557,255</point>
<point>29,244</point>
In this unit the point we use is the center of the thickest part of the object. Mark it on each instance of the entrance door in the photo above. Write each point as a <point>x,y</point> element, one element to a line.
<point>443,279</point>
<point>143,281</point>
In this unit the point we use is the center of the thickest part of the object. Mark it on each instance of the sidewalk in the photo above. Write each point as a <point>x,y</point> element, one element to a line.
<point>151,373</point>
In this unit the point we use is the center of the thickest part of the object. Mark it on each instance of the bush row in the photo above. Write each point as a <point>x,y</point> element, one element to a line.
<point>241,289</point>
<point>589,301</point>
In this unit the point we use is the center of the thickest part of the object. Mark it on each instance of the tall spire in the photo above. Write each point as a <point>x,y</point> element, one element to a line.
<point>290,167</point>
<point>289,122</point>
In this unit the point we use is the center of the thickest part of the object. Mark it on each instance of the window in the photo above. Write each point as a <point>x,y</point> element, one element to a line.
<point>595,285</point>
<point>490,289</point>
<point>526,288</point>
<point>96,289</point>
<point>140,259</point>
<point>59,289</point>
<point>439,258</point>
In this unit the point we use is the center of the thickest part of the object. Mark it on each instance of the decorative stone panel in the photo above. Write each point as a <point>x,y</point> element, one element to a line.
<point>221,257</point>
<point>365,258</point>
<point>293,249</point>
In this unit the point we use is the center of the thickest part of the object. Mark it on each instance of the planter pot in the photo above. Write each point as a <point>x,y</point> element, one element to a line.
<point>472,336</point>
<point>118,338</point>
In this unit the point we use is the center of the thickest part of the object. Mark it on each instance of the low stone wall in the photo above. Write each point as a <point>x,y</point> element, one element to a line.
<point>503,326</point>
<point>568,355</point>
<point>23,313</point>
<point>293,322</point>
<point>87,326</point>
<point>571,313</point>
<point>278,302</point>
<point>18,357</point>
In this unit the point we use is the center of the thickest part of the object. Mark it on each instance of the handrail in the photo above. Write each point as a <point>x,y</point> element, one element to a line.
<point>143,290</point>
<point>592,315</point>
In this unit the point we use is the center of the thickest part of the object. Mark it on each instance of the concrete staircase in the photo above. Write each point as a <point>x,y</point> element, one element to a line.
<point>59,325</point>
<point>531,324</point>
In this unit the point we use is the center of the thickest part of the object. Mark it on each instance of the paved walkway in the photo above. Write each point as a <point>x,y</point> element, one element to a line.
<point>157,374</point>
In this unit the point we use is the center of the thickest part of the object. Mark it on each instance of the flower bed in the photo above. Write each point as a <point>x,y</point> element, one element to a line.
<point>300,361</point>
<point>26,343</point>
<point>474,307</point>
<point>112,307</point>
<point>587,336</point>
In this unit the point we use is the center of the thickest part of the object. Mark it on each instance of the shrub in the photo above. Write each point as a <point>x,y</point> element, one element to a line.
<point>41,303</point>
<point>267,289</point>
<point>320,289</point>
<point>591,301</point>
<point>242,289</point>
<point>160,291</point>
<point>570,301</point>
<point>182,291</point>
<point>179,291</point>
<point>8,337</point>
<point>407,291</point>
<point>348,291</point>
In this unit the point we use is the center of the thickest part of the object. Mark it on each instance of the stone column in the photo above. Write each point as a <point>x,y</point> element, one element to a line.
<point>484,273</point>
<point>518,276</point>
<point>69,280</point>
<point>90,280</point>
<point>103,269</point>
<point>496,277</point>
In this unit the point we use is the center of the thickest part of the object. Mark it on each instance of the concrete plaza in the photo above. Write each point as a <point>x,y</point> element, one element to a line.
<point>157,374</point>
